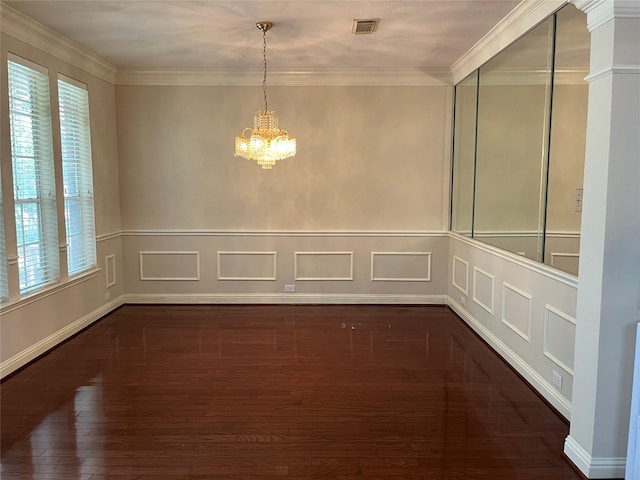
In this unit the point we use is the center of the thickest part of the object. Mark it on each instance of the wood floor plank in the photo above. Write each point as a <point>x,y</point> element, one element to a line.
<point>263,392</point>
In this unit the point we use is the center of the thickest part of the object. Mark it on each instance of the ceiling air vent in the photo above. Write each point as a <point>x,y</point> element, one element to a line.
<point>363,27</point>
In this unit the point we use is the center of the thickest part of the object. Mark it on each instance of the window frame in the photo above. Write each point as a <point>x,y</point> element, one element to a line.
<point>38,256</point>
<point>77,174</point>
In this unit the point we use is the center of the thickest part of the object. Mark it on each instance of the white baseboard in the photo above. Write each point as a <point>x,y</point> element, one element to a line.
<point>34,351</point>
<point>593,467</point>
<point>523,368</point>
<point>286,299</point>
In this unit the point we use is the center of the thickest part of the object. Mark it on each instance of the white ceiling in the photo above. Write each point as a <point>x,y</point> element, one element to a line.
<point>428,35</point>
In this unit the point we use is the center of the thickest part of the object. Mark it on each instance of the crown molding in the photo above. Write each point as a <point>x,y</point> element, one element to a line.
<point>600,12</point>
<point>519,21</point>
<point>27,30</point>
<point>304,78</point>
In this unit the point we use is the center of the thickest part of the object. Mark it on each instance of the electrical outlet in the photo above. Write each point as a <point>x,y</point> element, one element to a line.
<point>289,288</point>
<point>463,300</point>
<point>107,296</point>
<point>577,204</point>
<point>557,380</point>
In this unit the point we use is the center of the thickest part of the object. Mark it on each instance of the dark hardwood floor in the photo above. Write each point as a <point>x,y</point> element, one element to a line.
<point>269,392</point>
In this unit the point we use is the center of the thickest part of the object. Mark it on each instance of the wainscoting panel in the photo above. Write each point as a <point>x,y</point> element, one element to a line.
<point>169,265</point>
<point>288,267</point>
<point>483,291</point>
<point>247,265</point>
<point>110,270</point>
<point>559,338</point>
<point>517,310</point>
<point>461,275</point>
<point>537,341</point>
<point>400,266</point>
<point>323,266</point>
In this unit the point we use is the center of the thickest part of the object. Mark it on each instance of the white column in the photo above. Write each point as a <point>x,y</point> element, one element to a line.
<point>609,281</point>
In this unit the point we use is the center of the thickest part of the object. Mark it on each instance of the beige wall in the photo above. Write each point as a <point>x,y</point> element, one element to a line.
<point>30,326</point>
<point>369,178</point>
<point>369,158</point>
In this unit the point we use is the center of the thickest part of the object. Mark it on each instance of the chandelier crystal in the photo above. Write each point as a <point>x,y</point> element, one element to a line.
<point>266,142</point>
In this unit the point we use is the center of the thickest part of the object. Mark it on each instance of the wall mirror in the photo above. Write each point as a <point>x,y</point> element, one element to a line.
<point>519,142</point>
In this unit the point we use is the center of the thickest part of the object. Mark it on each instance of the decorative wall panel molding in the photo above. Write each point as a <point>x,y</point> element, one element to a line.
<point>323,266</point>
<point>110,270</point>
<point>559,338</point>
<point>460,275</point>
<point>169,265</point>
<point>517,310</point>
<point>252,265</point>
<point>483,291</point>
<point>530,374</point>
<point>400,266</point>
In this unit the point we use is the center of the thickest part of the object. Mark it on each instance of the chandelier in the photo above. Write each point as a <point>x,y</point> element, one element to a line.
<point>266,142</point>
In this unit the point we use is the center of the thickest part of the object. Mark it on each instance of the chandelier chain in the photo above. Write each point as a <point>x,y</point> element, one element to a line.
<point>264,78</point>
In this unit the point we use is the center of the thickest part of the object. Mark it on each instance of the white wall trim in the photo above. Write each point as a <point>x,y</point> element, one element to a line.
<point>600,12</point>
<point>34,351</point>
<point>143,277</point>
<point>492,278</point>
<point>110,270</point>
<point>426,278</point>
<point>304,78</point>
<point>285,299</point>
<point>545,337</point>
<point>282,233</point>
<point>603,467</point>
<point>464,289</point>
<point>526,335</point>
<point>562,404</point>
<point>532,265</point>
<point>27,30</point>
<point>516,23</point>
<point>108,236</point>
<point>525,233</point>
<point>613,70</point>
<point>274,276</point>
<point>297,277</point>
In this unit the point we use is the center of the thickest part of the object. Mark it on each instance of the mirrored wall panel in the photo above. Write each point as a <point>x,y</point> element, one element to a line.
<point>567,141</point>
<point>464,154</point>
<point>518,167</point>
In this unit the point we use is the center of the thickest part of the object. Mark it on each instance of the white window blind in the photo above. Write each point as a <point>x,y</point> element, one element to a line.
<point>33,177</point>
<point>77,177</point>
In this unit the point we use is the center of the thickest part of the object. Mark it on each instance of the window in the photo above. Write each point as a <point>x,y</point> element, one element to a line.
<point>77,176</point>
<point>33,175</point>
